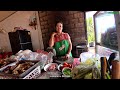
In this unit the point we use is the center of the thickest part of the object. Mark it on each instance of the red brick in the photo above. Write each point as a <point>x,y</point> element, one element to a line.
<point>46,30</point>
<point>49,12</point>
<point>72,12</point>
<point>50,21</point>
<point>66,22</point>
<point>78,30</point>
<point>45,18</point>
<point>81,20</point>
<point>77,40</point>
<point>50,17</point>
<point>81,15</point>
<point>83,29</point>
<point>79,25</point>
<point>43,35</point>
<point>71,26</point>
<point>41,19</point>
<point>76,15</point>
<point>76,11</point>
<point>42,27</point>
<point>46,26</point>
<point>74,20</point>
<point>44,23</point>
<point>43,31</point>
<point>42,14</point>
<point>63,13</point>
<point>39,12</point>
<point>71,16</point>
<point>74,30</point>
<point>77,34</point>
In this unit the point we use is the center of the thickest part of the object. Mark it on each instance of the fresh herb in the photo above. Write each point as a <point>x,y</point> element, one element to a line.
<point>67,71</point>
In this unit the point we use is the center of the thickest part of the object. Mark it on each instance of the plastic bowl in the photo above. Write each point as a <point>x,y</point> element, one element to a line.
<point>48,65</point>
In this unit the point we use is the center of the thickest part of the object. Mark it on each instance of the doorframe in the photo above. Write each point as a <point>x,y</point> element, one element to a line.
<point>95,30</point>
<point>85,26</point>
<point>117,22</point>
<point>85,22</point>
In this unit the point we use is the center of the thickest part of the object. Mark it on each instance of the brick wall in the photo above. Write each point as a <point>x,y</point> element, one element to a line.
<point>73,24</point>
<point>47,25</point>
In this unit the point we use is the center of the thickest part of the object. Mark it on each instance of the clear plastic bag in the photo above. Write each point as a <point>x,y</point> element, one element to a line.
<point>90,58</point>
<point>50,57</point>
<point>85,55</point>
<point>45,58</point>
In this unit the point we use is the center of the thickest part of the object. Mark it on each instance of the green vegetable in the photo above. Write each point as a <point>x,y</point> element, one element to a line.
<point>67,71</point>
<point>88,76</point>
<point>79,72</point>
<point>108,76</point>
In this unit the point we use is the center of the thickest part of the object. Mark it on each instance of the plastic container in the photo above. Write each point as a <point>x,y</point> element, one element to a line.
<point>34,73</point>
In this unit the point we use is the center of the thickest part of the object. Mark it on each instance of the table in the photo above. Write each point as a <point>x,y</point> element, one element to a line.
<point>56,74</point>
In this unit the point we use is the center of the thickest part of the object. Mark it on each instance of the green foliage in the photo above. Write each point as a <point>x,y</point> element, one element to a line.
<point>90,30</point>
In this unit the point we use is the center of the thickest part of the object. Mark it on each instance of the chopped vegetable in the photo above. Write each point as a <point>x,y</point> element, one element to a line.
<point>67,71</point>
<point>65,65</point>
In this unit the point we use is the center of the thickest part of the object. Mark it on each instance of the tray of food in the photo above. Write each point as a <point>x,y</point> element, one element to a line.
<point>20,69</point>
<point>6,62</point>
<point>34,74</point>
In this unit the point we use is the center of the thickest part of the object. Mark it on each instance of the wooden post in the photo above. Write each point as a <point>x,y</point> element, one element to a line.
<point>115,69</point>
<point>103,67</point>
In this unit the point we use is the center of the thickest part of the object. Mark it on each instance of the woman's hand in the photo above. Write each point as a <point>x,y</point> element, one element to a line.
<point>67,56</point>
<point>53,34</point>
<point>51,41</point>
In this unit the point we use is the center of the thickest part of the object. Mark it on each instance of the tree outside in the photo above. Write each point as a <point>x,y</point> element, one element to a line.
<point>90,30</point>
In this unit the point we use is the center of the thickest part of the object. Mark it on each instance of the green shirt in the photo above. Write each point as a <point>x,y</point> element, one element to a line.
<point>62,48</point>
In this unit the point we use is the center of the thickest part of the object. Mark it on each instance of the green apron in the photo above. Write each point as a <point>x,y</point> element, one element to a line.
<point>62,47</point>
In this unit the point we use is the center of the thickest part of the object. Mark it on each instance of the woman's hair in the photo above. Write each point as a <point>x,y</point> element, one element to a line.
<point>58,22</point>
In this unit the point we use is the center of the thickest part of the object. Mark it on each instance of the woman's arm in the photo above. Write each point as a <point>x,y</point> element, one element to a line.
<point>51,41</point>
<point>70,46</point>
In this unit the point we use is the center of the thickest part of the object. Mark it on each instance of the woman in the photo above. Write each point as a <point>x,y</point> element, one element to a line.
<point>61,41</point>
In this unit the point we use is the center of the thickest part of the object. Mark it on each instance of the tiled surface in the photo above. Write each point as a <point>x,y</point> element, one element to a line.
<point>103,51</point>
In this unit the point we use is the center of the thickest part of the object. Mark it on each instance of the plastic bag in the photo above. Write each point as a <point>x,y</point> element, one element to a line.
<point>50,57</point>
<point>84,71</point>
<point>79,72</point>
<point>90,58</point>
<point>45,57</point>
<point>85,55</point>
<point>43,60</point>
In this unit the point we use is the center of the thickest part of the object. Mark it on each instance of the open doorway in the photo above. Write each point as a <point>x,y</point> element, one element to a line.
<point>106,37</point>
<point>101,32</point>
<point>90,30</point>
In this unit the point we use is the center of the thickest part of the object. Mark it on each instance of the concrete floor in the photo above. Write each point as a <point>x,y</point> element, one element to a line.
<point>102,51</point>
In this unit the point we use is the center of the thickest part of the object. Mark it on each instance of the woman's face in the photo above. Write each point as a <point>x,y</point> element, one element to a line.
<point>59,27</point>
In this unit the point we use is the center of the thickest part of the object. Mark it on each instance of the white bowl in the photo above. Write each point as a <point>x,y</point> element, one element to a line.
<point>48,65</point>
<point>59,66</point>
